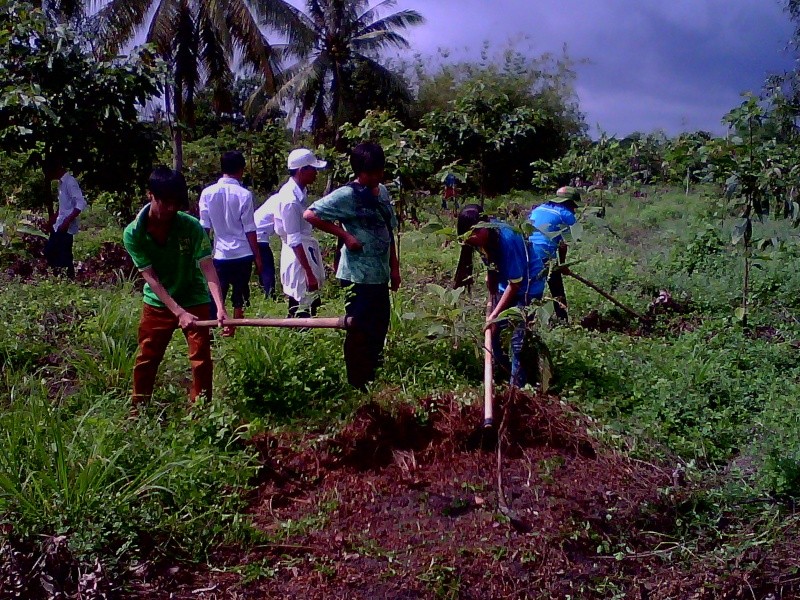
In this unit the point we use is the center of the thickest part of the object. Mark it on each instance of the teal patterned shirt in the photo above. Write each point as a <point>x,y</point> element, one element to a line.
<point>371,219</point>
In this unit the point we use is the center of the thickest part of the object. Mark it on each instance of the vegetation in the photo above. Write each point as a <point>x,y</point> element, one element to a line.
<point>665,452</point>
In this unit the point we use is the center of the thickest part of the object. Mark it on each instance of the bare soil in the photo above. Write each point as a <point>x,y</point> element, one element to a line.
<point>420,504</point>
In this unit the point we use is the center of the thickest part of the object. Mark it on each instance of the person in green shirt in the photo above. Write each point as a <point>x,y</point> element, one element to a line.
<point>369,265</point>
<point>173,253</point>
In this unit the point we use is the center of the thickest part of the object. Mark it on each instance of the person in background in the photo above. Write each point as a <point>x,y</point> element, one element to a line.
<point>65,223</point>
<point>302,270</point>
<point>514,273</point>
<point>173,254</point>
<point>226,208</point>
<point>264,217</point>
<point>550,221</point>
<point>369,265</point>
<point>449,191</point>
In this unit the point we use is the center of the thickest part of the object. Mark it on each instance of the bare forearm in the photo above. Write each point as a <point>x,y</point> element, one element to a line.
<point>252,239</point>
<point>506,301</point>
<point>210,273</point>
<point>300,254</point>
<point>161,292</point>
<point>394,260</point>
<point>322,225</point>
<point>562,252</point>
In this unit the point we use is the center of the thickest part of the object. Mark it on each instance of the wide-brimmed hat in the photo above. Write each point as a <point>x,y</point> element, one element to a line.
<point>303,157</point>
<point>565,194</point>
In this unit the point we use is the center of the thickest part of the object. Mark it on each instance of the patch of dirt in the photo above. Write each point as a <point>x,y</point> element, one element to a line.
<point>665,314</point>
<point>408,505</point>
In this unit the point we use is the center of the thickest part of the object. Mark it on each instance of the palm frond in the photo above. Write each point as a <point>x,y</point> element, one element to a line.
<point>249,41</point>
<point>119,20</point>
<point>160,32</point>
<point>280,16</point>
<point>373,13</point>
<point>215,55</point>
<point>389,80</point>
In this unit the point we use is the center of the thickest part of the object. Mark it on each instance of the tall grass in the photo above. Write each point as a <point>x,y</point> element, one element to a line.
<point>109,483</point>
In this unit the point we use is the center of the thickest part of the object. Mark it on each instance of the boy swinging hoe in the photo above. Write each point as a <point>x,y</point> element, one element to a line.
<point>173,253</point>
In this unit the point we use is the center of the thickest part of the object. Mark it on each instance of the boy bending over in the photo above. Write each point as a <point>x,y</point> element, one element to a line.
<point>173,253</point>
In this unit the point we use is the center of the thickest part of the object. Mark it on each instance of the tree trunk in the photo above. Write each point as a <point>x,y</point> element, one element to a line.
<point>177,129</point>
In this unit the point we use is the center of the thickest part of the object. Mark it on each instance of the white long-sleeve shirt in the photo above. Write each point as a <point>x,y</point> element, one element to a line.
<point>227,208</point>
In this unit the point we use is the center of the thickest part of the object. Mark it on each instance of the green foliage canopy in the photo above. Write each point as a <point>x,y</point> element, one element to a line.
<point>54,96</point>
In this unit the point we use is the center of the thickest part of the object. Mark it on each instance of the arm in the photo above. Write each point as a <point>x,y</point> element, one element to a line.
<point>349,239</point>
<point>186,320</point>
<point>210,273</point>
<point>506,300</point>
<point>68,221</point>
<point>562,258</point>
<point>311,280</point>
<point>252,239</point>
<point>394,264</point>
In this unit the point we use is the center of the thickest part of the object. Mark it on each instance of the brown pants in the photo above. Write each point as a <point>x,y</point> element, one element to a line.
<point>155,332</point>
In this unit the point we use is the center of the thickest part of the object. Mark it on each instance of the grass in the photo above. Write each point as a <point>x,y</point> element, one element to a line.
<point>709,396</point>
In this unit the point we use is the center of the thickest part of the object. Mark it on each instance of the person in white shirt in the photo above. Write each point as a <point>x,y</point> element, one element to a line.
<point>226,208</point>
<point>302,270</point>
<point>265,229</point>
<point>64,224</point>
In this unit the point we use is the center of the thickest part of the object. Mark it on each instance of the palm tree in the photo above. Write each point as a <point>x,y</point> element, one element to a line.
<point>204,42</point>
<point>340,40</point>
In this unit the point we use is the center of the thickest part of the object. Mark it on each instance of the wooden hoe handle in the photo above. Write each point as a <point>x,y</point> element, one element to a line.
<point>310,323</point>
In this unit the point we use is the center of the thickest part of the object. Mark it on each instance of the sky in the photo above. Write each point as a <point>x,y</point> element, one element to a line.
<point>675,65</point>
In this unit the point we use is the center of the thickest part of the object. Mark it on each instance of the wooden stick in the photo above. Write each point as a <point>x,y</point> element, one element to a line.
<point>310,323</point>
<point>607,296</point>
<point>488,375</point>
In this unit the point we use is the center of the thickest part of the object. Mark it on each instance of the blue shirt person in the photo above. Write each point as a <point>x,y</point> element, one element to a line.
<point>551,220</point>
<point>516,273</point>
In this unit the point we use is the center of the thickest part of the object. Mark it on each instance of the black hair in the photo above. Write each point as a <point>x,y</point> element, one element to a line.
<point>232,162</point>
<point>168,185</point>
<point>367,157</point>
<point>293,172</point>
<point>52,161</point>
<point>469,217</point>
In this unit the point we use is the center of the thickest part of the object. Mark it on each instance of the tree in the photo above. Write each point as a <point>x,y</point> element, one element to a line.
<point>54,96</point>
<point>340,45</point>
<point>201,41</point>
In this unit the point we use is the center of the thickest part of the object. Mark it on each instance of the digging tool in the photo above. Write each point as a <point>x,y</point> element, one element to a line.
<point>307,323</point>
<point>607,296</point>
<point>488,381</point>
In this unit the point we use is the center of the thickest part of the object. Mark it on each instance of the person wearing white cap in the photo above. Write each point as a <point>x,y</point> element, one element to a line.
<point>302,270</point>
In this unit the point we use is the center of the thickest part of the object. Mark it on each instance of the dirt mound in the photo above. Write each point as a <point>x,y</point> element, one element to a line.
<point>404,504</point>
<point>664,314</point>
<point>111,264</point>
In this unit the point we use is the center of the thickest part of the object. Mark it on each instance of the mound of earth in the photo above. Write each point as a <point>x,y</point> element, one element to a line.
<point>416,504</point>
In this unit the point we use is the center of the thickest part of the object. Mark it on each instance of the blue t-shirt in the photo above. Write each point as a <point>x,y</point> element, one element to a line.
<point>551,220</point>
<point>516,262</point>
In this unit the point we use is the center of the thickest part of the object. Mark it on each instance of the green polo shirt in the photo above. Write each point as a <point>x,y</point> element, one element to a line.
<point>176,263</point>
<point>371,219</point>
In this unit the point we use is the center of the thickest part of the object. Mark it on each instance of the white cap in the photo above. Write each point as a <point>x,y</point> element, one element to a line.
<point>303,157</point>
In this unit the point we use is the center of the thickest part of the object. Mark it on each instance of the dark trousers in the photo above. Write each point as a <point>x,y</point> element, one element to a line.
<point>155,331</point>
<point>369,308</point>
<point>234,273</point>
<point>267,276</point>
<point>58,252</point>
<point>556,284</point>
<point>301,311</point>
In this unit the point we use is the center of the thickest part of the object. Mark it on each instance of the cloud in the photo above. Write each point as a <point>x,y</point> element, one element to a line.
<point>673,65</point>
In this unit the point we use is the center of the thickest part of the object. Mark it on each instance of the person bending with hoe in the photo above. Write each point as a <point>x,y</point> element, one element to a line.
<point>173,254</point>
<point>369,263</point>
<point>514,272</point>
<point>227,208</point>
<point>551,220</point>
